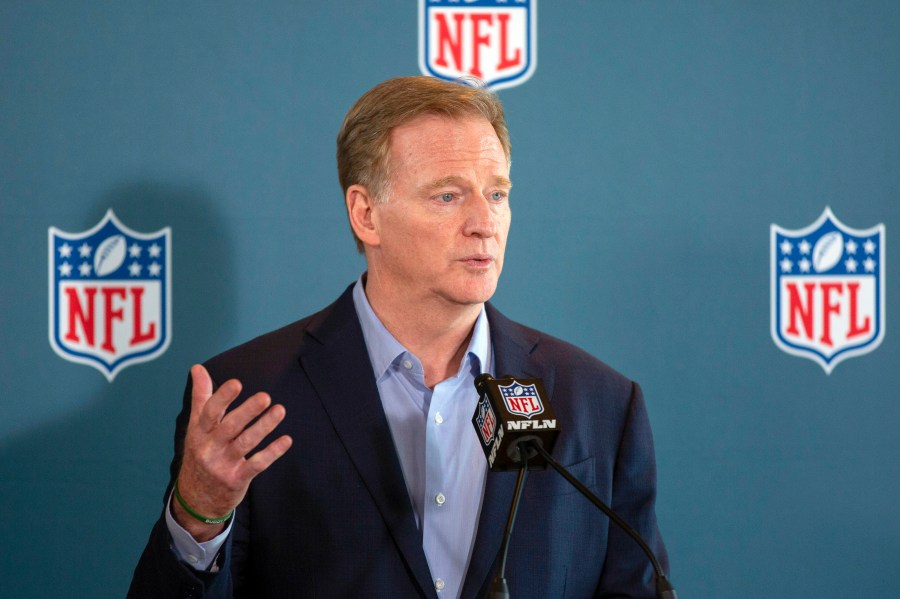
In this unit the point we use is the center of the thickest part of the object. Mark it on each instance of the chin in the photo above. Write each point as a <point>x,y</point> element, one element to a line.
<point>477,292</point>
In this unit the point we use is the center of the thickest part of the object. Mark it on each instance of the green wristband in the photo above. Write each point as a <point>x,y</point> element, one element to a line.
<point>194,514</point>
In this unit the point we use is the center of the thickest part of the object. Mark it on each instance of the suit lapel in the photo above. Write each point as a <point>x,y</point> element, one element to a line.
<point>513,347</point>
<point>334,357</point>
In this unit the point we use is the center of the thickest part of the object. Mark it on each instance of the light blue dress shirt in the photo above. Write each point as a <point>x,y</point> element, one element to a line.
<point>440,454</point>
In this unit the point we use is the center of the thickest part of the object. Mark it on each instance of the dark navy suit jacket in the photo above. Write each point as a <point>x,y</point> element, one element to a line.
<point>332,517</point>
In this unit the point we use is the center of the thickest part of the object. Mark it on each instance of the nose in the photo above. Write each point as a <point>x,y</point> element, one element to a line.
<point>481,221</point>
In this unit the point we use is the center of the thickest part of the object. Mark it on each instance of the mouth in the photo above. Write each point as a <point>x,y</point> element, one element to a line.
<point>478,260</point>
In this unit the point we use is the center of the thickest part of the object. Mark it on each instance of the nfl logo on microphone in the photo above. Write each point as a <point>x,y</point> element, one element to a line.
<point>827,290</point>
<point>485,421</point>
<point>110,295</point>
<point>523,400</point>
<point>493,40</point>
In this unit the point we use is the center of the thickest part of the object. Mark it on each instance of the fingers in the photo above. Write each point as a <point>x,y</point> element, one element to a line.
<point>218,440</point>
<point>208,408</point>
<point>263,459</point>
<point>201,390</point>
<point>232,431</point>
<point>241,438</point>
<point>225,427</point>
<point>214,411</point>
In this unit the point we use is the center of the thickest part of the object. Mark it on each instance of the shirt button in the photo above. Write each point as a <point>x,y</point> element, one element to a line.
<point>438,418</point>
<point>192,558</point>
<point>407,364</point>
<point>440,499</point>
<point>439,584</point>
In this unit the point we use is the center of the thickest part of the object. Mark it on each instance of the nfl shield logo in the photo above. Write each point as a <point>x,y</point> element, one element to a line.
<point>522,399</point>
<point>827,290</point>
<point>493,40</point>
<point>485,420</point>
<point>110,295</point>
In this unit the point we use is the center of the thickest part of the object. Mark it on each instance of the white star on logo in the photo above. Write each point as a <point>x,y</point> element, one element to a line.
<point>134,251</point>
<point>851,246</point>
<point>65,269</point>
<point>85,250</point>
<point>869,265</point>
<point>65,250</point>
<point>850,263</point>
<point>804,265</point>
<point>154,269</point>
<point>154,251</point>
<point>134,269</point>
<point>84,269</point>
<point>786,247</point>
<point>804,247</point>
<point>786,265</point>
<point>869,246</point>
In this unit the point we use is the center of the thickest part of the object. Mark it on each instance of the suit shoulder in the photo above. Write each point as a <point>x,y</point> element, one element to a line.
<point>277,340</point>
<point>575,367</point>
<point>572,366</point>
<point>276,350</point>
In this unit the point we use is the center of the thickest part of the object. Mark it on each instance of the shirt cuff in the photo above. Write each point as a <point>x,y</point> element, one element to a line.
<point>199,556</point>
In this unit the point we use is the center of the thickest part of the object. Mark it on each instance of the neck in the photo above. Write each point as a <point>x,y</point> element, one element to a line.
<point>435,330</point>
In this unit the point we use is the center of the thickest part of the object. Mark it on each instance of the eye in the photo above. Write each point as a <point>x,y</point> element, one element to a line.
<point>446,197</point>
<point>498,196</point>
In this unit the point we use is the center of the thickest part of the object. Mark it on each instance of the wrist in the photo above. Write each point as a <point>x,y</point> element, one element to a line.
<point>194,514</point>
<point>198,530</point>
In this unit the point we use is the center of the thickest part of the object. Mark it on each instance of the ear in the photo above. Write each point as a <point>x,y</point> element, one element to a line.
<point>360,209</point>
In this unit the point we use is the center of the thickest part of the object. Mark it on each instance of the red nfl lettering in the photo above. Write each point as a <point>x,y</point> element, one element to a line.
<point>82,316</point>
<point>452,42</point>
<point>487,427</point>
<point>831,301</point>
<point>522,405</point>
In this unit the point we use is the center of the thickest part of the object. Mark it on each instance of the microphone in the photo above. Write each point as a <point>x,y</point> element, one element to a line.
<point>513,437</point>
<point>510,413</point>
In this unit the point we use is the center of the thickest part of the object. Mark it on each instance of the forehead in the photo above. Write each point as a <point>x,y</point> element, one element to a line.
<point>433,137</point>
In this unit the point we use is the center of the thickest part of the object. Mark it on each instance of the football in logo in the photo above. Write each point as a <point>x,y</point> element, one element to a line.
<point>827,290</point>
<point>110,295</point>
<point>828,251</point>
<point>110,255</point>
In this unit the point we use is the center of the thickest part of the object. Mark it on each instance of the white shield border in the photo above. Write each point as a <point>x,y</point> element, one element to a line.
<point>827,365</point>
<point>126,361</point>
<point>501,83</point>
<point>536,394</point>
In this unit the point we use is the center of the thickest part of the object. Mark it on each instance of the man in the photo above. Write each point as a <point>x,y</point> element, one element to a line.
<point>385,490</point>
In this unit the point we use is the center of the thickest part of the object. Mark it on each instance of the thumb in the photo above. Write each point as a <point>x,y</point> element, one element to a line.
<point>201,389</point>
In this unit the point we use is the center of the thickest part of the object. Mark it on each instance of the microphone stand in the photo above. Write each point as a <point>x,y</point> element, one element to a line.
<point>664,588</point>
<point>499,588</point>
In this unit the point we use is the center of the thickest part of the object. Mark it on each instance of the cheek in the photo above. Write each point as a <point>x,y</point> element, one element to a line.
<point>503,228</point>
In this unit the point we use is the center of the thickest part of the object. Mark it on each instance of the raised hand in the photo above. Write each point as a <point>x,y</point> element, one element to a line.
<point>215,472</point>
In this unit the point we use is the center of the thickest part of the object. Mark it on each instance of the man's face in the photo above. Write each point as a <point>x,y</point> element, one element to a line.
<point>442,229</point>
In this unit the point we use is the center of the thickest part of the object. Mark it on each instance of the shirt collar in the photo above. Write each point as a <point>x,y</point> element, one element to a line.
<point>385,350</point>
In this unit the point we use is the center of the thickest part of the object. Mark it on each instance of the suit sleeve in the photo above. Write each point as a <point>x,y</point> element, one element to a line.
<point>627,572</point>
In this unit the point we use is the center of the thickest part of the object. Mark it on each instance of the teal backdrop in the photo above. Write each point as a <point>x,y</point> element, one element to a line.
<point>654,146</point>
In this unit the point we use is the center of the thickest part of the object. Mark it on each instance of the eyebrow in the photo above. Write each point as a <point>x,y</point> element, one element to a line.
<point>457,180</point>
